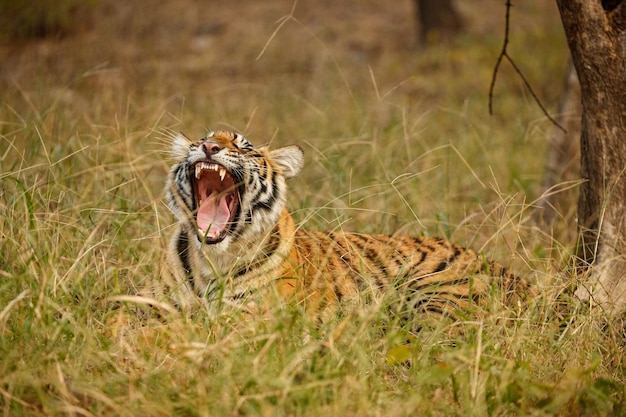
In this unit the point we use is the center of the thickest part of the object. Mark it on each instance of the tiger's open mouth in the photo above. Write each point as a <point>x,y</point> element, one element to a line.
<point>217,201</point>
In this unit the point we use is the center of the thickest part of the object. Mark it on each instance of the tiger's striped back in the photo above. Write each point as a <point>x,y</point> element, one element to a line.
<point>437,275</point>
<point>326,272</point>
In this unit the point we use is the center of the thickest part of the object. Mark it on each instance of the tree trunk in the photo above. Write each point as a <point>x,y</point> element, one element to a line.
<point>596,34</point>
<point>437,20</point>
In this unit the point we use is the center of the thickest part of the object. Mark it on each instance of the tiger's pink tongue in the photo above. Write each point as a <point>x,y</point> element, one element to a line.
<point>213,214</point>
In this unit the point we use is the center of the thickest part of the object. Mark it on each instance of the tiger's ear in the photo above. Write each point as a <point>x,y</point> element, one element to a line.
<point>289,160</point>
<point>180,146</point>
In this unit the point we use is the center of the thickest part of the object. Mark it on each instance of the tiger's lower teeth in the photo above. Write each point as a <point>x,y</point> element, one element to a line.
<point>208,234</point>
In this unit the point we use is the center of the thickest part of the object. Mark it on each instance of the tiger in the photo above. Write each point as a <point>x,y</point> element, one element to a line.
<point>235,241</point>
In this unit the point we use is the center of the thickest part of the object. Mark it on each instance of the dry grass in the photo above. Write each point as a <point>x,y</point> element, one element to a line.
<point>396,139</point>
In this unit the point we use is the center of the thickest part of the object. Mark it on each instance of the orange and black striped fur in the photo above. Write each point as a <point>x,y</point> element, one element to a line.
<point>236,241</point>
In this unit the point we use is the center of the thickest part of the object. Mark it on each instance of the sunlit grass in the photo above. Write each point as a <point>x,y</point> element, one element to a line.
<point>396,141</point>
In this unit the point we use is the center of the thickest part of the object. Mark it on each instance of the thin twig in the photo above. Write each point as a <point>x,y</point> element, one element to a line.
<point>532,93</point>
<point>502,54</point>
<point>505,54</point>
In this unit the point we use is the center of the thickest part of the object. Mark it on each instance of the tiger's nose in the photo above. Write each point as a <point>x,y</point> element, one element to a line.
<point>211,148</point>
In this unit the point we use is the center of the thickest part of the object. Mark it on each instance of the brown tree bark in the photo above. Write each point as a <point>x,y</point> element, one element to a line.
<point>437,20</point>
<point>596,34</point>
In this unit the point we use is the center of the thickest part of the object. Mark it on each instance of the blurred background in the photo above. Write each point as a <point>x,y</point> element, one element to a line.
<point>392,113</point>
<point>210,52</point>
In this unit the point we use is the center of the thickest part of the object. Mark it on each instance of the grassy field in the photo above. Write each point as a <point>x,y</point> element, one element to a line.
<point>397,139</point>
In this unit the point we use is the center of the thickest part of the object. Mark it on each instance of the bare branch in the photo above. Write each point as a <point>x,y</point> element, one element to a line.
<point>505,54</point>
<point>502,55</point>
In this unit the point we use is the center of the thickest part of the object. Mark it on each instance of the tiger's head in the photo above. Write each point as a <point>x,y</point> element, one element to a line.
<point>227,190</point>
